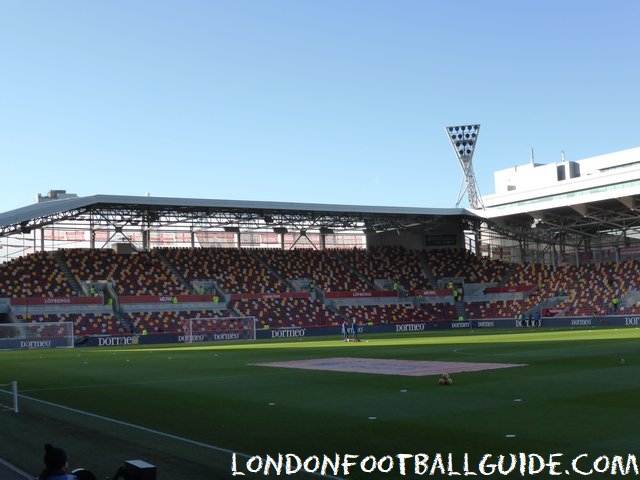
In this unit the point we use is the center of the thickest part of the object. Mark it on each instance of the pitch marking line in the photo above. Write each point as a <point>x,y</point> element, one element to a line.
<point>381,366</point>
<point>156,432</point>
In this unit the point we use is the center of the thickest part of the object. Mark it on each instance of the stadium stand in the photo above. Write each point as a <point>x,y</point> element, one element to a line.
<point>466,266</point>
<point>84,323</point>
<point>390,264</point>
<point>274,286</point>
<point>143,273</point>
<point>35,275</point>
<point>167,321</point>
<point>398,313</point>
<point>327,269</point>
<point>285,312</point>
<point>232,270</point>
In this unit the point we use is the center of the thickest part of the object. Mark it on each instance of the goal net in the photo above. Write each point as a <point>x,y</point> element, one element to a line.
<point>36,335</point>
<point>9,397</point>
<point>220,328</point>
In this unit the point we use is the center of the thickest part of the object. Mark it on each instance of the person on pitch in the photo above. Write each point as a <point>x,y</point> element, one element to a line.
<point>354,333</point>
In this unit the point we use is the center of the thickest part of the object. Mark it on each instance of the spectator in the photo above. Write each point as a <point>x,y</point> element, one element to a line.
<point>56,464</point>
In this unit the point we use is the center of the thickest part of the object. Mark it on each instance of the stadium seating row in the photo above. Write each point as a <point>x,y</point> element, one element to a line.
<point>585,290</point>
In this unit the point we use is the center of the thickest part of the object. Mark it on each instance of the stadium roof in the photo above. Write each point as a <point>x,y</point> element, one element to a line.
<point>202,214</point>
<point>610,219</point>
<point>600,195</point>
<point>574,219</point>
<point>586,217</point>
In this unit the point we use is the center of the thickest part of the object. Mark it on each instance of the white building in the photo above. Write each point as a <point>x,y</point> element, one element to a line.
<point>538,187</point>
<point>588,209</point>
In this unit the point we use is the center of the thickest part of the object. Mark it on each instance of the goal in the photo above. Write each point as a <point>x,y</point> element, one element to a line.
<point>36,335</point>
<point>9,397</point>
<point>219,328</point>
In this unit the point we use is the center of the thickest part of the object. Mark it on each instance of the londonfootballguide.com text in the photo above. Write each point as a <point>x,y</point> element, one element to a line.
<point>518,464</point>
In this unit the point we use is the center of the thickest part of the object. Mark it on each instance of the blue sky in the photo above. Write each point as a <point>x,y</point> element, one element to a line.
<point>312,101</point>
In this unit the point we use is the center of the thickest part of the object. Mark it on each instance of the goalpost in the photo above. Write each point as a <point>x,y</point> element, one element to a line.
<point>219,328</point>
<point>9,398</point>
<point>36,335</point>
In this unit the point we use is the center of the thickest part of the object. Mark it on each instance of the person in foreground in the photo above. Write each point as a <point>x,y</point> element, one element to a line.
<point>56,464</point>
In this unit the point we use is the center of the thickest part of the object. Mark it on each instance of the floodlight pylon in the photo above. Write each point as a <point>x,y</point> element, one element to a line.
<point>463,140</point>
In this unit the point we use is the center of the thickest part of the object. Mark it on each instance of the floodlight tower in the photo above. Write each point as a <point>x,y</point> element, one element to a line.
<point>463,140</point>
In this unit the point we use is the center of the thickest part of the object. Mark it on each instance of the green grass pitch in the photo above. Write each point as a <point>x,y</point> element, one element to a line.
<point>188,408</point>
